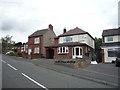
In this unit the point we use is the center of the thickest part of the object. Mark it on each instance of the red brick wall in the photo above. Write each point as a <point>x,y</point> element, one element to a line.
<point>61,56</point>
<point>32,46</point>
<point>56,40</point>
<point>103,60</point>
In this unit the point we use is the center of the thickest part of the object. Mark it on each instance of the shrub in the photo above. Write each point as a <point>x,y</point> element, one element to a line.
<point>19,53</point>
<point>11,53</point>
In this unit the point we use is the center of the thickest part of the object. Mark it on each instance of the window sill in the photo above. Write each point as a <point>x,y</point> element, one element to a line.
<point>62,53</point>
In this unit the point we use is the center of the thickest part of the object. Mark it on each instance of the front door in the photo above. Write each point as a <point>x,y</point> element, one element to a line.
<point>29,51</point>
<point>77,52</point>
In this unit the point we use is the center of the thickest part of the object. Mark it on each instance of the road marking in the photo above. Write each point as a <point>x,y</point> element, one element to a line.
<point>101,73</point>
<point>12,67</point>
<point>35,81</point>
<point>3,61</point>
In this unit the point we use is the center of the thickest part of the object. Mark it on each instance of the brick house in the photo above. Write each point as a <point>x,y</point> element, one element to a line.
<point>75,43</point>
<point>18,47</point>
<point>111,44</point>
<point>38,40</point>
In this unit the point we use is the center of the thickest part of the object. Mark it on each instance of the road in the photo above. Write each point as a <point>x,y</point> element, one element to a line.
<point>21,74</point>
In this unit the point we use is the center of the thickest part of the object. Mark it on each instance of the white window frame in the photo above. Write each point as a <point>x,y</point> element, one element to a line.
<point>60,50</point>
<point>109,38</point>
<point>81,37</point>
<point>71,39</point>
<point>36,50</point>
<point>37,40</point>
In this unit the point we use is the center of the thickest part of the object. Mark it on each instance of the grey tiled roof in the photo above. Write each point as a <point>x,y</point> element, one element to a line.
<point>39,32</point>
<point>111,32</point>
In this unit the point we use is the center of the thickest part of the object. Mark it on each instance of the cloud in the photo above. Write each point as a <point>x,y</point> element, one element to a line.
<point>7,26</point>
<point>26,16</point>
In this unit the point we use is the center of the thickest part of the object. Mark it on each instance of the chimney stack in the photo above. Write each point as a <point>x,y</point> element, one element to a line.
<point>50,27</point>
<point>64,30</point>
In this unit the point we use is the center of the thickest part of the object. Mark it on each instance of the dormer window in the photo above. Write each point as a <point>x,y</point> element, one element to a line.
<point>110,39</point>
<point>36,40</point>
<point>68,39</point>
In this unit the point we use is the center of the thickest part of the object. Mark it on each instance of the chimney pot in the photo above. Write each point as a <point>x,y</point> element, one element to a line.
<point>64,30</point>
<point>50,27</point>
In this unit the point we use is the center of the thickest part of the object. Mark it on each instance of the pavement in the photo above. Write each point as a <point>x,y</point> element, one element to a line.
<point>106,74</point>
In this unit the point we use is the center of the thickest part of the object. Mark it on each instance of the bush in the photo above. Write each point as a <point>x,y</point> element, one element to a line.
<point>12,54</point>
<point>19,53</point>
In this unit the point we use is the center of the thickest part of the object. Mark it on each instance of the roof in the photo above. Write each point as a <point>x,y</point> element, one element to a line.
<point>111,44</point>
<point>39,32</point>
<point>75,31</point>
<point>67,44</point>
<point>111,32</point>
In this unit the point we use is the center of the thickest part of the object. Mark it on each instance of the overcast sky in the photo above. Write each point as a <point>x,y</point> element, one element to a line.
<point>20,18</point>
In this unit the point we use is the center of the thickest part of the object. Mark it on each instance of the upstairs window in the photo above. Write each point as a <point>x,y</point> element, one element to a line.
<point>62,50</point>
<point>81,37</point>
<point>110,39</point>
<point>36,40</point>
<point>68,39</point>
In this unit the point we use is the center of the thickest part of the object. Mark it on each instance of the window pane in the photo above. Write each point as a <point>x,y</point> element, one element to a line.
<point>109,38</point>
<point>80,51</point>
<point>81,37</point>
<point>60,49</point>
<point>68,39</point>
<point>63,49</point>
<point>73,50</point>
<point>36,50</point>
<point>113,52</point>
<point>66,49</point>
<point>36,40</point>
<point>77,51</point>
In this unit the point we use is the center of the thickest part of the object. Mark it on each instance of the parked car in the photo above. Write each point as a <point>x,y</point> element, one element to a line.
<point>117,62</point>
<point>7,53</point>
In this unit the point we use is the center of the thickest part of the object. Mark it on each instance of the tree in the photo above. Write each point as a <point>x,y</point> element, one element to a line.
<point>98,43</point>
<point>18,44</point>
<point>7,43</point>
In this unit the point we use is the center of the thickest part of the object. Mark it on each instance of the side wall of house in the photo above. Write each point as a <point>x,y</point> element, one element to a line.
<point>48,39</point>
<point>31,46</point>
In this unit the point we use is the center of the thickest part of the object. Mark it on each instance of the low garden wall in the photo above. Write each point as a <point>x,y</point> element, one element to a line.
<point>74,63</point>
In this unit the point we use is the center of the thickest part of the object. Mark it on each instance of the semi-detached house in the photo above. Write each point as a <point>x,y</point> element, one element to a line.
<point>111,44</point>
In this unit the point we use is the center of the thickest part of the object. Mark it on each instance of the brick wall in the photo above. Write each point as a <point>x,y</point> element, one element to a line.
<point>61,56</point>
<point>32,46</point>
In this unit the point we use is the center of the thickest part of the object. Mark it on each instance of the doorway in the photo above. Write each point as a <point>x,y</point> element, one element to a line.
<point>50,54</point>
<point>77,52</point>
